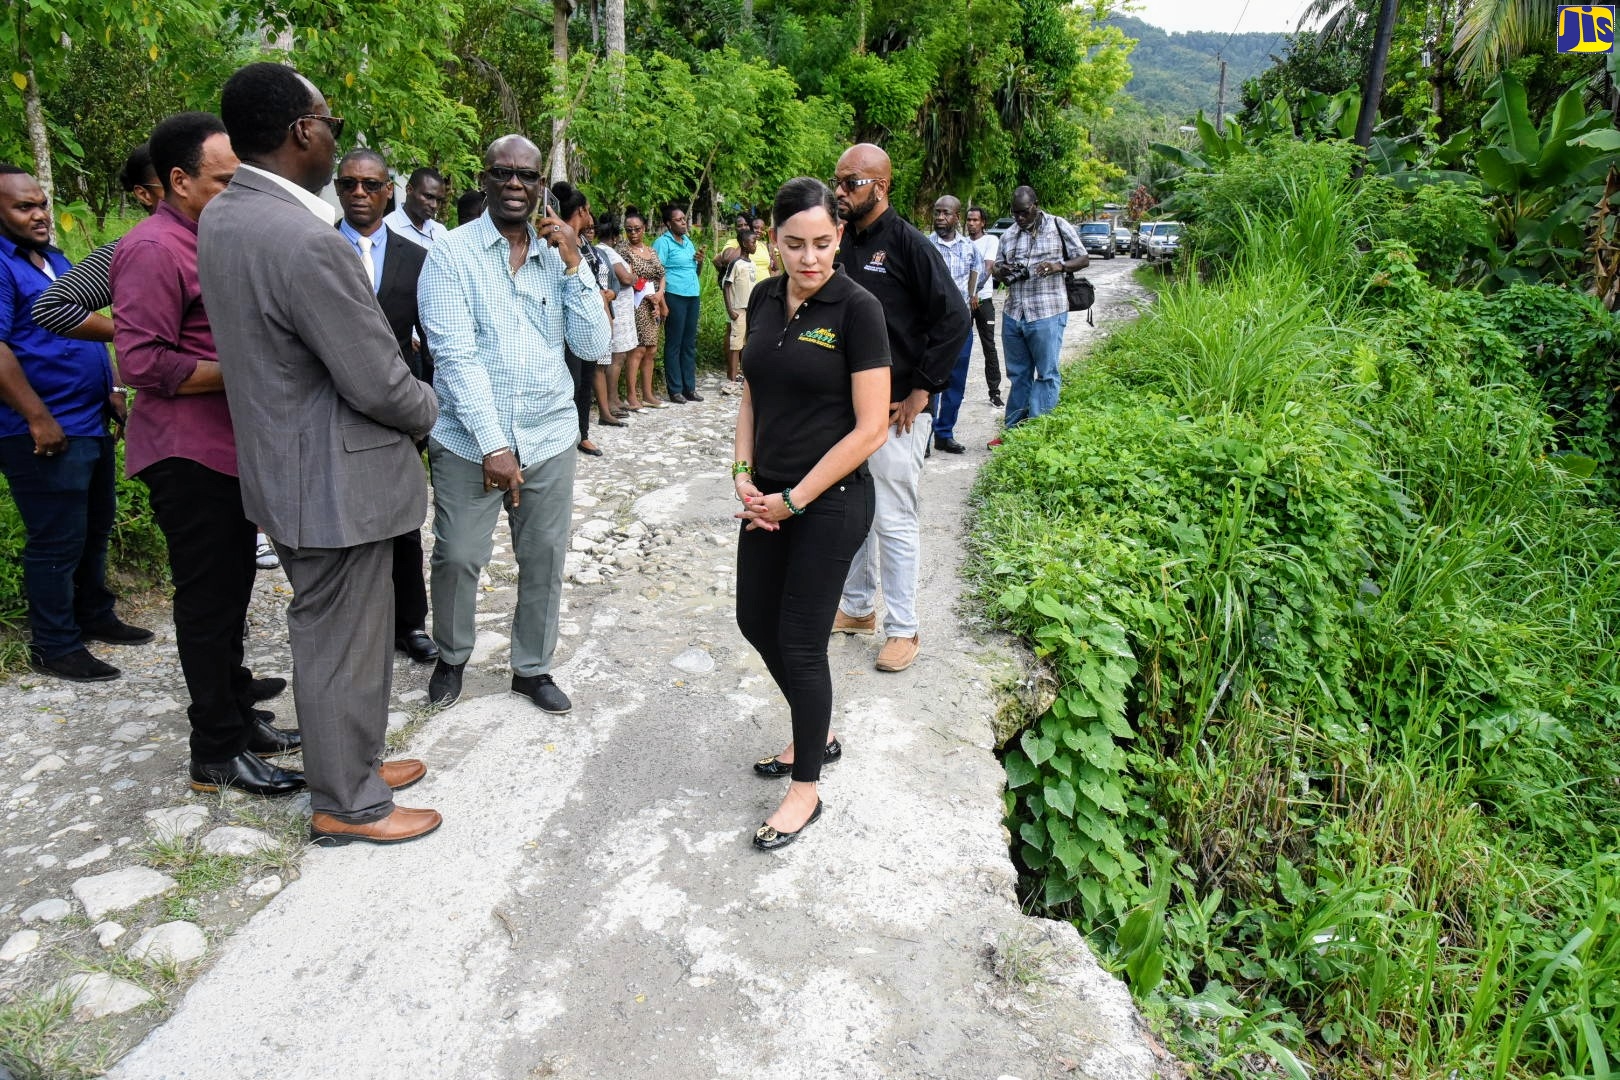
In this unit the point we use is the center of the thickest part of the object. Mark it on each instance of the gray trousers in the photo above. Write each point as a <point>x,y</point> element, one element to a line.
<point>341,624</point>
<point>464,517</point>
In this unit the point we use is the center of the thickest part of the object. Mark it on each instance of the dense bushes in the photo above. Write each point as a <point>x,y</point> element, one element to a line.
<point>1330,770</point>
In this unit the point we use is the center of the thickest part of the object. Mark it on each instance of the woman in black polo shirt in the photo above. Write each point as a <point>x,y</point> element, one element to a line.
<point>815,405</point>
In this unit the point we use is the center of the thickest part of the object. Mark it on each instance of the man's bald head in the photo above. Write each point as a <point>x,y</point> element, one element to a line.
<point>866,159</point>
<point>510,143</point>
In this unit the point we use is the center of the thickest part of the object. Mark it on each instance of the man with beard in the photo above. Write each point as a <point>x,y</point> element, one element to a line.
<point>927,322</point>
<point>56,397</point>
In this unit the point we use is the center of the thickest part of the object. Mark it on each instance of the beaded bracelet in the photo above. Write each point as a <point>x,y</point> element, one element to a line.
<point>739,468</point>
<point>787,501</point>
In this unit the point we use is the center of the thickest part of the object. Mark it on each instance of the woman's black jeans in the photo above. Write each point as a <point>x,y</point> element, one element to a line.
<point>788,585</point>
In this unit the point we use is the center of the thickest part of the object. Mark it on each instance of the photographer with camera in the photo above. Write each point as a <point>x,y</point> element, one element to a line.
<point>1035,254</point>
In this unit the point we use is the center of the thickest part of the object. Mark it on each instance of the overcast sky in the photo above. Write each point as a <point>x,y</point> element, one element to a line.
<point>1267,16</point>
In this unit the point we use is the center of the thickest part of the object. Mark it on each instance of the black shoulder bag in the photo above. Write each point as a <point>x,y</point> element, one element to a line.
<point>1082,294</point>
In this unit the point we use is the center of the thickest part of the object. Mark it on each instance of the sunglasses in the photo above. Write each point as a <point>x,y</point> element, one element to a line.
<point>346,184</point>
<point>335,123</point>
<point>851,183</point>
<point>502,175</point>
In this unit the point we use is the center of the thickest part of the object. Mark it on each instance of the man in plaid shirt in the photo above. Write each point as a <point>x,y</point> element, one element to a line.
<point>1035,254</point>
<point>966,265</point>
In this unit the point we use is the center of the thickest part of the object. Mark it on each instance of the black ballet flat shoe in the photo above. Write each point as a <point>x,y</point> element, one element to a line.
<point>768,839</point>
<point>770,768</point>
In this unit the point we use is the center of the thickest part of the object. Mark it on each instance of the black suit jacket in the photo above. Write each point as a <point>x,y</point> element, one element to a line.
<point>402,265</point>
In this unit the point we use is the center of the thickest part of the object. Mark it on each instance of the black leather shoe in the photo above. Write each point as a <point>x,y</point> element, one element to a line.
<point>265,689</point>
<point>770,768</point>
<point>995,399</point>
<point>949,445</point>
<point>418,646</point>
<point>247,772</point>
<point>541,690</point>
<point>694,396</point>
<point>768,839</point>
<point>76,666</point>
<point>676,399</point>
<point>116,632</point>
<point>444,686</point>
<point>267,740</point>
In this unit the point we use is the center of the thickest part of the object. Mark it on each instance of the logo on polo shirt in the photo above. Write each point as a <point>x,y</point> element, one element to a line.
<point>820,336</point>
<point>875,264</point>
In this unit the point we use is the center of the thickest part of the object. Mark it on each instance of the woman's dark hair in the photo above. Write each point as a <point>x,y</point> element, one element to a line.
<point>259,103</point>
<point>800,194</point>
<point>569,199</point>
<point>137,167</point>
<point>469,206</point>
<point>607,228</point>
<point>633,212</point>
<point>177,143</point>
<point>669,211</point>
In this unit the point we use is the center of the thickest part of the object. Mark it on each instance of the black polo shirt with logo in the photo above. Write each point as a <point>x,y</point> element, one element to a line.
<point>798,370</point>
<point>927,318</point>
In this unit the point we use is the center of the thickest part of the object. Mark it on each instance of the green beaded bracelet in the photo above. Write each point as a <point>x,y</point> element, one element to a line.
<point>787,501</point>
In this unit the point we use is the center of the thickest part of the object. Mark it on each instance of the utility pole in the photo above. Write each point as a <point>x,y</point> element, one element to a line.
<point>1220,104</point>
<point>1373,89</point>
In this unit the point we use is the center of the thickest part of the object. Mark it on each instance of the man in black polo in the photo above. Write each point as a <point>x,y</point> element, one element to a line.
<point>928,323</point>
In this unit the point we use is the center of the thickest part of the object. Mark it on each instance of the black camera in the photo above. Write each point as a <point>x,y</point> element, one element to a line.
<point>1011,273</point>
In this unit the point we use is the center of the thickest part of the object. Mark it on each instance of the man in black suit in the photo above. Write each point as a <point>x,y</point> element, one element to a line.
<point>393,265</point>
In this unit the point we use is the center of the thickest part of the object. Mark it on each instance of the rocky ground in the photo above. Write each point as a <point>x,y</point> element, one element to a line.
<point>592,907</point>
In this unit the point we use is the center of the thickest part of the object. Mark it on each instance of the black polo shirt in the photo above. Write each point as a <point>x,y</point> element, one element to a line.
<point>927,318</point>
<point>798,370</point>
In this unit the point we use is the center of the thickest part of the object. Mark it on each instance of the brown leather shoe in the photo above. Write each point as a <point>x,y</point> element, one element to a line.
<point>403,773</point>
<point>898,653</point>
<point>402,825</point>
<point>854,624</point>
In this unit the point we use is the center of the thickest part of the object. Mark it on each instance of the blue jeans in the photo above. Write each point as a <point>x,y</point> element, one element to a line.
<point>1030,351</point>
<point>950,398</point>
<point>67,504</point>
<point>680,344</point>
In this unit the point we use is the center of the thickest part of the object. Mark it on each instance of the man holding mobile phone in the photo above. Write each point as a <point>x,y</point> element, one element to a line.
<point>498,298</point>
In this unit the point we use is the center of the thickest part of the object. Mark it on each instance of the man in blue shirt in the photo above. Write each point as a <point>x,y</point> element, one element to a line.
<point>56,397</point>
<point>497,302</point>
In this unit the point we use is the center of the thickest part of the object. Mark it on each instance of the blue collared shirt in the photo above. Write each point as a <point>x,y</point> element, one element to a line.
<point>680,265</point>
<point>379,247</point>
<point>497,343</point>
<point>72,378</point>
<point>961,259</point>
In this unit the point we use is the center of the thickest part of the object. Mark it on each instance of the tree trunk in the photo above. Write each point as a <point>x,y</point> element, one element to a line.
<point>560,10</point>
<point>38,137</point>
<point>747,15</point>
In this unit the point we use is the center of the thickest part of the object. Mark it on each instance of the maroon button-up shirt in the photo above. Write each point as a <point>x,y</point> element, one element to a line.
<point>160,333</point>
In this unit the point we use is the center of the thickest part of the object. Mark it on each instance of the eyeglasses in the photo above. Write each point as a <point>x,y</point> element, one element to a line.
<point>502,175</point>
<point>851,183</point>
<point>335,123</point>
<point>346,184</point>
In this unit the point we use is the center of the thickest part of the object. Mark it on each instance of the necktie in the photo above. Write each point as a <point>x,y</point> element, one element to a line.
<point>365,257</point>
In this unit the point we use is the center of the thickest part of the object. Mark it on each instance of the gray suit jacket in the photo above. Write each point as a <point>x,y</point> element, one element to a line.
<point>326,412</point>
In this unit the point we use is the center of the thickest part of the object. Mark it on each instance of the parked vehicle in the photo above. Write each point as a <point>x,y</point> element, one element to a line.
<point>1144,233</point>
<point>1001,226</point>
<point>1098,238</point>
<point>1165,243</point>
<point>1122,239</point>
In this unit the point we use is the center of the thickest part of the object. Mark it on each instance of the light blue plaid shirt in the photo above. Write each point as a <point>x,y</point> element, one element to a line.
<point>961,259</point>
<point>497,343</point>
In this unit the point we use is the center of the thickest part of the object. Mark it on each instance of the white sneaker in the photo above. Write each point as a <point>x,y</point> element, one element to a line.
<point>264,556</point>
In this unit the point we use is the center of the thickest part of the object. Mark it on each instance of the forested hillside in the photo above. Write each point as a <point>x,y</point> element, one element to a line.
<point>1179,74</point>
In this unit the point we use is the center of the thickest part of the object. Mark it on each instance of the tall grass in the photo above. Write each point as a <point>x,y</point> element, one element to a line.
<point>1331,771</point>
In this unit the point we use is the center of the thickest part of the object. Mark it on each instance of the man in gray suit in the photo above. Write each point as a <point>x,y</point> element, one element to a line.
<point>326,414</point>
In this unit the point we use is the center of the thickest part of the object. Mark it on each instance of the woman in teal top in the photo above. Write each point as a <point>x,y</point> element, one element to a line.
<point>681,260</point>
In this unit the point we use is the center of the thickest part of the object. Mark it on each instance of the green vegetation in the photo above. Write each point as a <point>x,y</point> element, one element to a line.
<point>1179,74</point>
<point>1330,775</point>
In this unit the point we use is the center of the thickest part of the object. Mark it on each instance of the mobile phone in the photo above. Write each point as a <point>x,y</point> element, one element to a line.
<point>549,203</point>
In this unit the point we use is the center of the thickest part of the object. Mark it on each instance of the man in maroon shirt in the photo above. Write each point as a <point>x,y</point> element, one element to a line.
<point>179,442</point>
